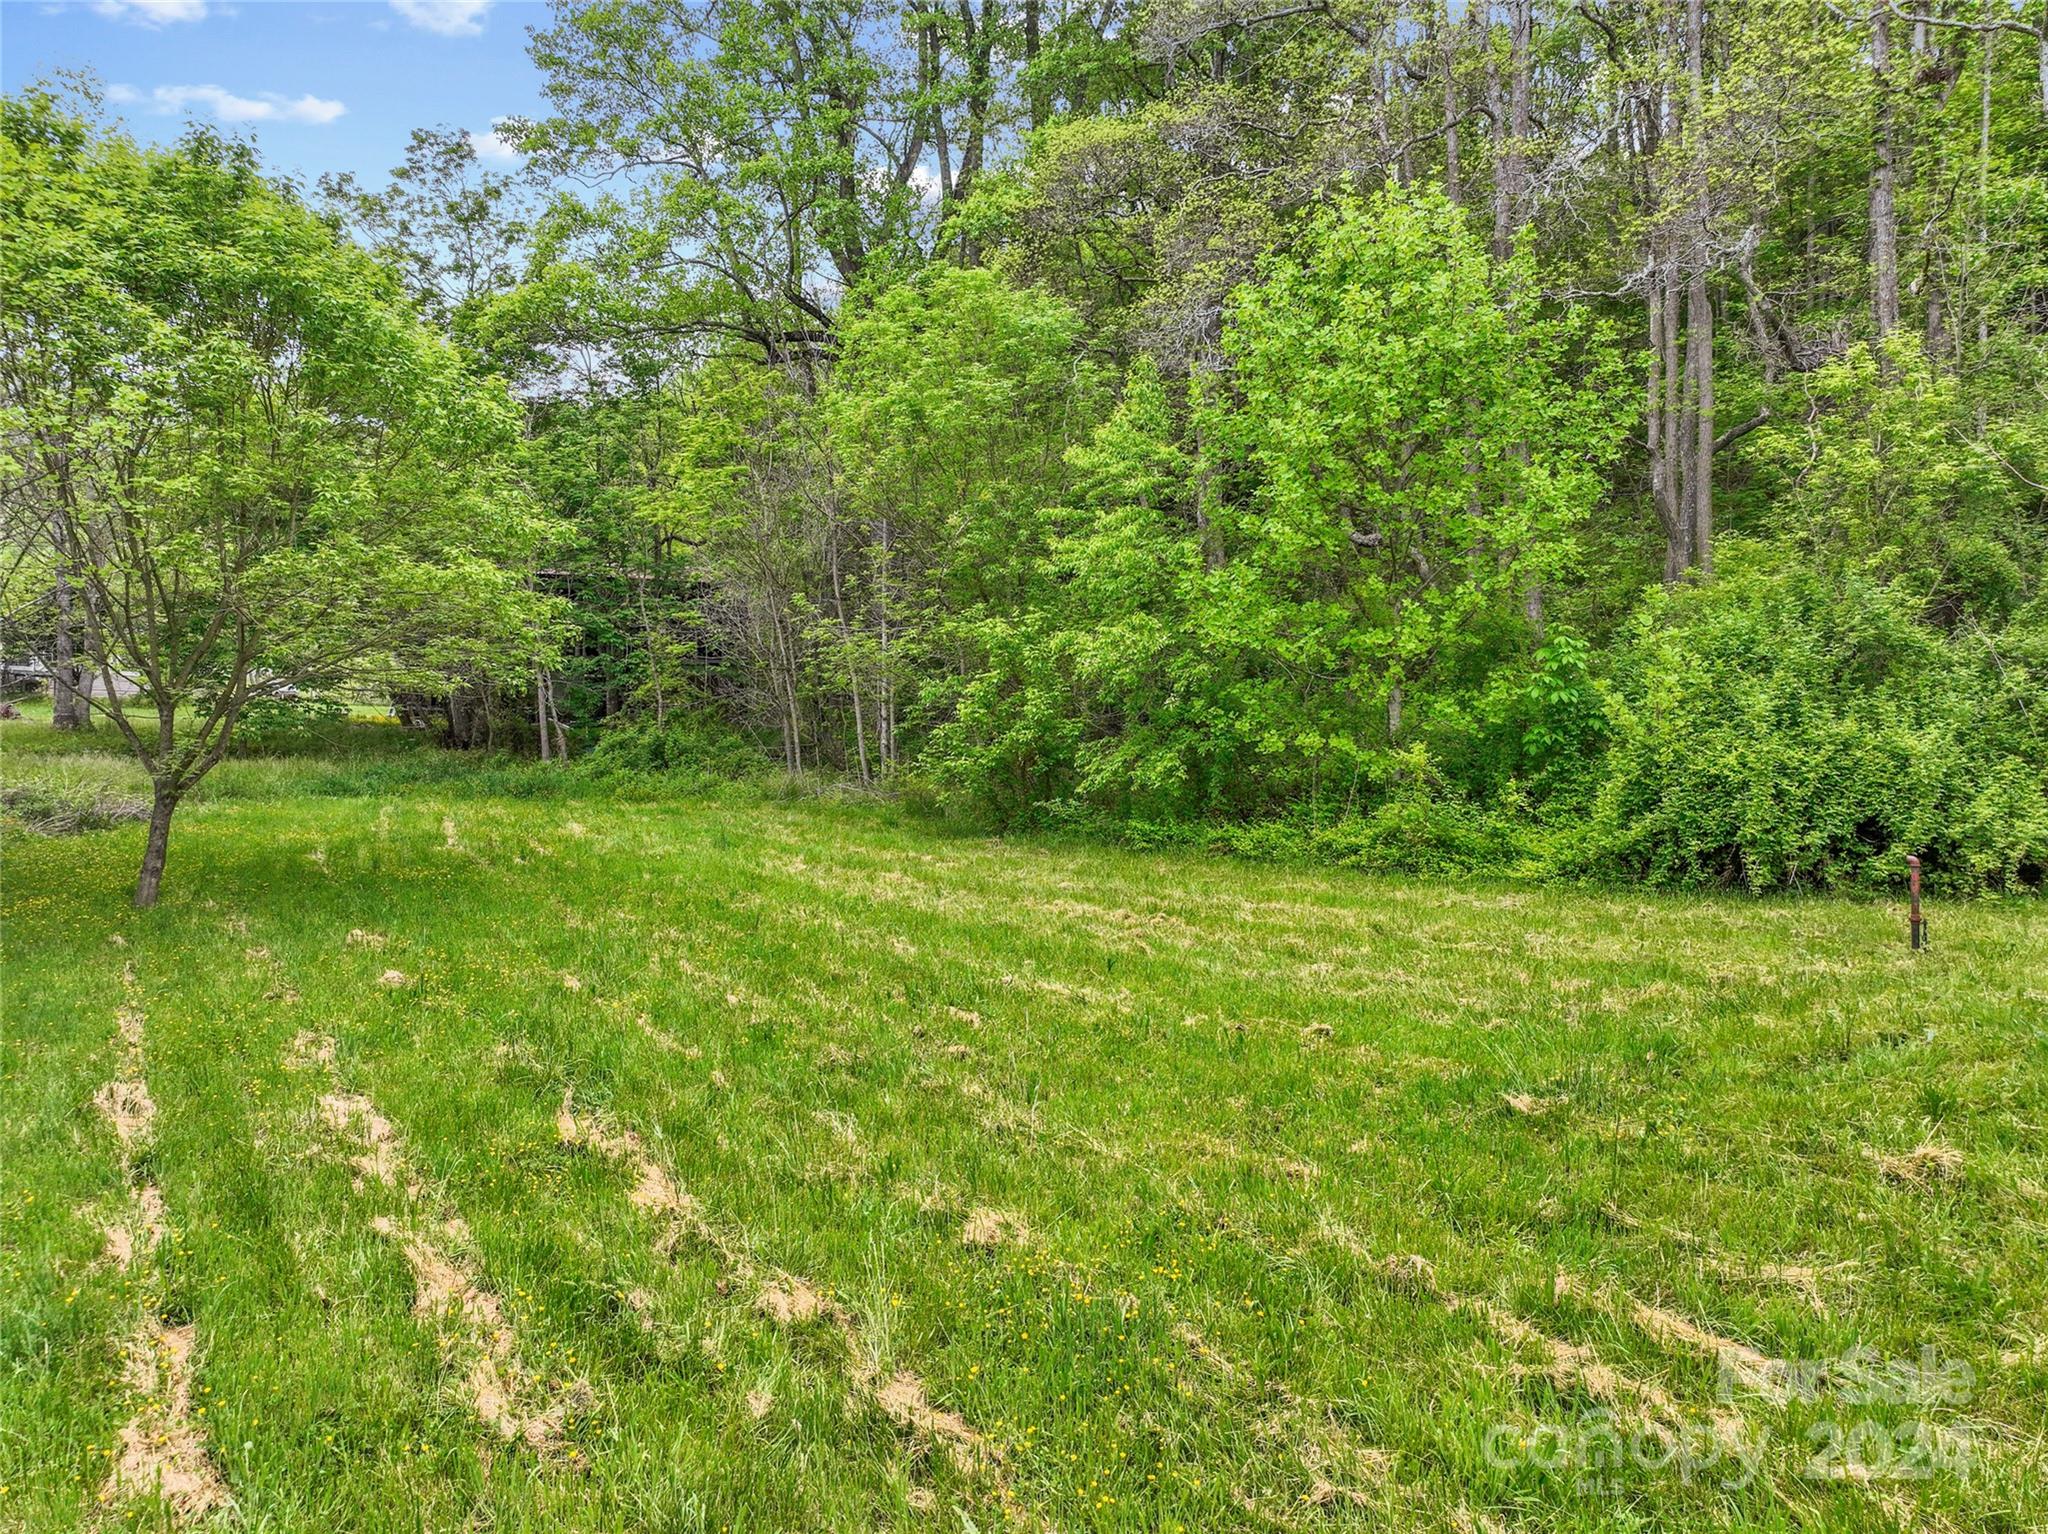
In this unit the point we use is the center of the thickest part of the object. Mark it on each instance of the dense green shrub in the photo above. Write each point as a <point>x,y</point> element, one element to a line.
<point>1424,833</point>
<point>1414,825</point>
<point>693,744</point>
<point>1788,727</point>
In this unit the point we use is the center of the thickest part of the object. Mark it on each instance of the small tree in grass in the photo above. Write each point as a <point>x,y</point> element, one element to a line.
<point>256,472</point>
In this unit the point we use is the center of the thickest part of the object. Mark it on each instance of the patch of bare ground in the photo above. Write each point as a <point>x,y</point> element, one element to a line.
<point>736,993</point>
<point>309,1051</point>
<point>1002,1115</point>
<point>789,1301</point>
<point>661,1038</point>
<point>792,1302</point>
<point>130,1112</point>
<point>280,988</point>
<point>784,1299</point>
<point>163,1451</point>
<point>1578,1366</point>
<point>1190,1337</point>
<point>1805,1278</point>
<point>1530,1106</point>
<point>1465,1521</point>
<point>903,1401</point>
<point>128,1024</point>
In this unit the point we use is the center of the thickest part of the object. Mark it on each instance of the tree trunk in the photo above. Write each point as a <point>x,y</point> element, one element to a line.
<point>1697,506</point>
<point>1674,425</point>
<point>860,727</point>
<point>1884,213</point>
<point>653,657</point>
<point>154,850</point>
<point>1514,172</point>
<point>1206,536</point>
<point>2041,55</point>
<point>946,188</point>
<point>1679,428</point>
<point>1481,13</point>
<point>1700,482</point>
<point>555,719</point>
<point>67,702</point>
<point>1040,104</point>
<point>465,716</point>
<point>1453,177</point>
<point>1987,65</point>
<point>885,722</point>
<point>1656,429</point>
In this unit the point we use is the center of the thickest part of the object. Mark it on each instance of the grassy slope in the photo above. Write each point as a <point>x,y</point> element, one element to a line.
<point>1218,1098</point>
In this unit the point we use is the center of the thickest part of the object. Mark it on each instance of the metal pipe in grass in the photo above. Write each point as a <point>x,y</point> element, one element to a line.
<point>1916,921</point>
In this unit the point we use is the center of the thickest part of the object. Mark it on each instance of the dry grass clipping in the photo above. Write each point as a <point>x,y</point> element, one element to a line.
<point>163,1451</point>
<point>1921,1165</point>
<point>501,1392</point>
<point>127,1106</point>
<point>990,1228</point>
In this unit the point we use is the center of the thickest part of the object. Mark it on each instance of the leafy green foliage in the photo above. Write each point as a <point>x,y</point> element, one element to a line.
<point>1415,452</point>
<point>1234,613</point>
<point>1878,467</point>
<point>1786,728</point>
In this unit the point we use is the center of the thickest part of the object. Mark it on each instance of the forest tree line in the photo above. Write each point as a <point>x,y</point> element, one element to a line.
<point>1608,438</point>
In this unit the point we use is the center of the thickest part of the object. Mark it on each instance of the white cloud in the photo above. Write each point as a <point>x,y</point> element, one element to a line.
<point>925,182</point>
<point>493,148</point>
<point>227,107</point>
<point>152,13</point>
<point>451,18</point>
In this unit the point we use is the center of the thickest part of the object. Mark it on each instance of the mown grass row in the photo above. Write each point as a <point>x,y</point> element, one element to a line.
<point>1219,1109</point>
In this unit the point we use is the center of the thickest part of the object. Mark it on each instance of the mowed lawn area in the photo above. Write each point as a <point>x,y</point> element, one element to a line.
<point>431,1160</point>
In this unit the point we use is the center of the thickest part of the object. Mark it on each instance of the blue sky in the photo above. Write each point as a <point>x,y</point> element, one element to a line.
<point>321,85</point>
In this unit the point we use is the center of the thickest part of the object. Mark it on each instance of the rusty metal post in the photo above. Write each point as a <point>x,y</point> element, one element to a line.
<point>1918,922</point>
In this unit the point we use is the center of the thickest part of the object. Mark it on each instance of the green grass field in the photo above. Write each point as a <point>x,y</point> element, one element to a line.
<point>447,1155</point>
